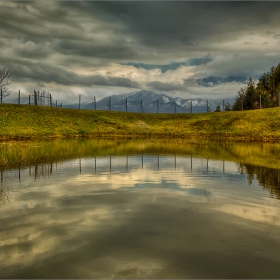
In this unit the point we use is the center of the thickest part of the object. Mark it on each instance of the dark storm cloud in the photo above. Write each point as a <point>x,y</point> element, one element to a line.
<point>173,65</point>
<point>38,22</point>
<point>29,71</point>
<point>33,51</point>
<point>91,49</point>
<point>166,24</point>
<point>89,36</point>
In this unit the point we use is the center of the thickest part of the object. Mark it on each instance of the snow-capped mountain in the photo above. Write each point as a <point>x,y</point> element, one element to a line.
<point>149,101</point>
<point>154,102</point>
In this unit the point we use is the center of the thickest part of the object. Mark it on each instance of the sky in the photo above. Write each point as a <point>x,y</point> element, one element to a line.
<point>188,49</point>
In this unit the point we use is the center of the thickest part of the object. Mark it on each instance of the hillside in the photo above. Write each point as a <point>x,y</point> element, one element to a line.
<point>149,101</point>
<point>31,122</point>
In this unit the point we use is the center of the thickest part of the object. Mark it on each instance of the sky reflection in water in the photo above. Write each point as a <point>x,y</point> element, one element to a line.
<point>140,216</point>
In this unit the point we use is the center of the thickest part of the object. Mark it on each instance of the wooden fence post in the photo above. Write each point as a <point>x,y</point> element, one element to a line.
<point>191,106</point>
<point>29,99</point>
<point>260,101</point>
<point>94,103</point>
<point>50,100</point>
<point>79,102</point>
<point>223,105</point>
<point>35,97</point>
<point>1,98</point>
<point>174,107</point>
<point>19,97</point>
<point>157,106</point>
<point>141,105</point>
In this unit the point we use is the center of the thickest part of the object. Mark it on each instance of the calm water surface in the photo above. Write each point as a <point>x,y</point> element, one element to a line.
<point>139,214</point>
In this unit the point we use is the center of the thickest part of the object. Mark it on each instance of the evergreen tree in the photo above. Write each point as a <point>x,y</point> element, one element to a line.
<point>247,97</point>
<point>269,87</point>
<point>239,100</point>
<point>267,91</point>
<point>251,96</point>
<point>218,108</point>
<point>227,107</point>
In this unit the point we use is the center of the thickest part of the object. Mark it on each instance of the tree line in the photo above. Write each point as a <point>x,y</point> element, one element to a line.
<point>264,94</point>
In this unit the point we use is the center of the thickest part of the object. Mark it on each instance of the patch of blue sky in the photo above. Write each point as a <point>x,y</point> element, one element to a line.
<point>172,65</point>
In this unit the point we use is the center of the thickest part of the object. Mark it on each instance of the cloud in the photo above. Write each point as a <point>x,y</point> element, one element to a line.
<point>213,81</point>
<point>172,66</point>
<point>116,49</point>
<point>84,41</point>
<point>28,71</point>
<point>167,24</point>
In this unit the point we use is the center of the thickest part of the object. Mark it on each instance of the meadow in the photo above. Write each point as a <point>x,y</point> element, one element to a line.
<point>21,122</point>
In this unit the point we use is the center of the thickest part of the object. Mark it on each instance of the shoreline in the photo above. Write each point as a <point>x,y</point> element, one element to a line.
<point>147,137</point>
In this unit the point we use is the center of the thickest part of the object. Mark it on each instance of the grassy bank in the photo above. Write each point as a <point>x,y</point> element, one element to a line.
<point>31,122</point>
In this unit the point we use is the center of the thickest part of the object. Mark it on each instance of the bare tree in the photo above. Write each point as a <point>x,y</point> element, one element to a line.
<point>5,80</point>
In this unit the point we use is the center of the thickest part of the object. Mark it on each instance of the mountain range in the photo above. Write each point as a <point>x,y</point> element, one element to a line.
<point>152,102</point>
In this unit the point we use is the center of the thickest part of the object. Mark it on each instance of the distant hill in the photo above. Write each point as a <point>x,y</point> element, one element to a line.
<point>151,100</point>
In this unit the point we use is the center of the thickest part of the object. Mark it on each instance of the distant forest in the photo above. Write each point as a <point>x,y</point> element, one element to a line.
<point>264,94</point>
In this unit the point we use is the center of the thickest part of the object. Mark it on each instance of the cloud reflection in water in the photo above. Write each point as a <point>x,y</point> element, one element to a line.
<point>195,220</point>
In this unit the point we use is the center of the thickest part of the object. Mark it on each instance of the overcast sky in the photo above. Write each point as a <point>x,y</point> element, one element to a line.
<point>104,48</point>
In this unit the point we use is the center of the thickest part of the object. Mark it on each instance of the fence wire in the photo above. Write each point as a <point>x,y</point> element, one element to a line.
<point>44,98</point>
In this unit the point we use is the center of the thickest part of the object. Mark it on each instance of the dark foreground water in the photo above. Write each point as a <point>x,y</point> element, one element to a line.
<point>140,215</point>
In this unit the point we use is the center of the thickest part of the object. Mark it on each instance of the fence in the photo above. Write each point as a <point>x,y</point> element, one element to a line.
<point>43,98</point>
<point>38,98</point>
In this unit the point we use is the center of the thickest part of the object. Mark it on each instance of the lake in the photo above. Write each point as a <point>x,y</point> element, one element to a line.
<point>139,209</point>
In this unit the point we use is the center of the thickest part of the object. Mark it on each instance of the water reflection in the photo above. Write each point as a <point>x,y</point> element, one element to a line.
<point>144,214</point>
<point>269,178</point>
<point>5,195</point>
<point>13,155</point>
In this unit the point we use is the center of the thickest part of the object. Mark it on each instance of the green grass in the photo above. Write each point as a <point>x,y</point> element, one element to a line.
<point>32,122</point>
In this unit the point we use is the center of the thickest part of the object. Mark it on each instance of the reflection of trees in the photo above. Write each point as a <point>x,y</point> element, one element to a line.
<point>269,178</point>
<point>5,195</point>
